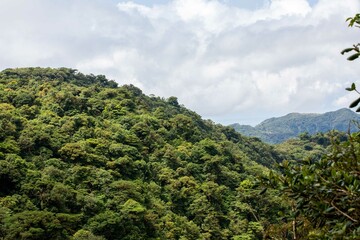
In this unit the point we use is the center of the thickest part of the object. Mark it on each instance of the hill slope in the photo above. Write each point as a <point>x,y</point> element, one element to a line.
<point>276,130</point>
<point>82,158</point>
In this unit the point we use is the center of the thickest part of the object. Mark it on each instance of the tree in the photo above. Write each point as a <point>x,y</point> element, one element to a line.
<point>326,192</point>
<point>40,225</point>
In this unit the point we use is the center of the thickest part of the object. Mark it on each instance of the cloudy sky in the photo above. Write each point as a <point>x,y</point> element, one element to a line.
<point>228,60</point>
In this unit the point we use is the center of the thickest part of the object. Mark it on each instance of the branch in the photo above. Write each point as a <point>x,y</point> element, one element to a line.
<point>346,215</point>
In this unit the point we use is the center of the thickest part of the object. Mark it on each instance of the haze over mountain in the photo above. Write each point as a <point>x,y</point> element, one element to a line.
<point>276,130</point>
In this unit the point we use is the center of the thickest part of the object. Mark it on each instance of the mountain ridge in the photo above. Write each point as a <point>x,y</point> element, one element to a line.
<point>278,129</point>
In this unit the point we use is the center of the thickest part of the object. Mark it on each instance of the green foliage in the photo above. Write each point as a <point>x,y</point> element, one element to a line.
<point>353,21</point>
<point>357,101</point>
<point>86,235</point>
<point>326,191</point>
<point>39,225</point>
<point>83,158</point>
<point>308,146</point>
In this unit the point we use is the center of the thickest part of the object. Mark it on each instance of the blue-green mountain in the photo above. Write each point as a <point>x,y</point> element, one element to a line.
<point>277,130</point>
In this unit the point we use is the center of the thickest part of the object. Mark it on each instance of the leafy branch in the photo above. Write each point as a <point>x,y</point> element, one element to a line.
<point>357,101</point>
<point>353,22</point>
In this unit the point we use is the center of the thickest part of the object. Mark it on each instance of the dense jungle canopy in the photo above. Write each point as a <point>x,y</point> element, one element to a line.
<point>84,158</point>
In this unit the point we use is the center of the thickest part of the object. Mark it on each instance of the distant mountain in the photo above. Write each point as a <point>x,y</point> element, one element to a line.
<point>277,130</point>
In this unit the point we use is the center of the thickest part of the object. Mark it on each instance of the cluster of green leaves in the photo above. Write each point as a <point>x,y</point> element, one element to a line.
<point>353,22</point>
<point>81,158</point>
<point>326,191</point>
<point>357,101</point>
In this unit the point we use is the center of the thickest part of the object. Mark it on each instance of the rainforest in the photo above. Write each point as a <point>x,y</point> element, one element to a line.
<point>84,158</point>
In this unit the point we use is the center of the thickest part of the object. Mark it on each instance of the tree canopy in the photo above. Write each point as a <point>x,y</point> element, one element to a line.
<point>84,158</point>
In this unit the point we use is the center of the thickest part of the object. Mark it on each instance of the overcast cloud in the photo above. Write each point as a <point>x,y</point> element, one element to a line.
<point>230,61</point>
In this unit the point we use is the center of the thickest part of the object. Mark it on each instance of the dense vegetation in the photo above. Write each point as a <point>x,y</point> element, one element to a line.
<point>277,130</point>
<point>82,158</point>
<point>324,188</point>
<point>307,146</point>
<point>325,192</point>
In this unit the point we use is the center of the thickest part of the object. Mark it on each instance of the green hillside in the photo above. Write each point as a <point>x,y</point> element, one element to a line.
<point>84,158</point>
<point>276,130</point>
<point>307,146</point>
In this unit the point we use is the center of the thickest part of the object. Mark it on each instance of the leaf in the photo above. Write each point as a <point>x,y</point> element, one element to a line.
<point>347,50</point>
<point>358,110</point>
<point>329,209</point>
<point>263,191</point>
<point>354,103</point>
<point>353,57</point>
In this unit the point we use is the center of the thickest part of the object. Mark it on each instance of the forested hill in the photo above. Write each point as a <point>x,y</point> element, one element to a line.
<point>84,158</point>
<point>276,130</point>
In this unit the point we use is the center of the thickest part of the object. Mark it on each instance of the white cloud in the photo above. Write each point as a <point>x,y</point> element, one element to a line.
<point>345,100</point>
<point>218,59</point>
<point>286,7</point>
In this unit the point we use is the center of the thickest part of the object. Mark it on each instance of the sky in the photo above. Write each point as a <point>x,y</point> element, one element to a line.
<point>231,61</point>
